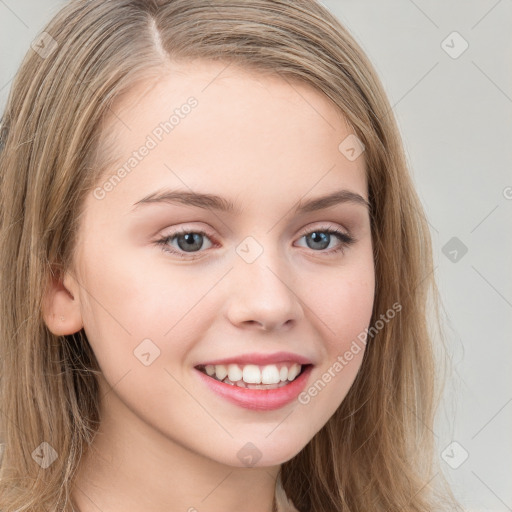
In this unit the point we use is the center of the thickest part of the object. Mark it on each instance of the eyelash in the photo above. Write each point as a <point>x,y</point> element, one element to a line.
<point>345,241</point>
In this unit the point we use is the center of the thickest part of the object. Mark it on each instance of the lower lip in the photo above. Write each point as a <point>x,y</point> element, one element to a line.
<point>258,399</point>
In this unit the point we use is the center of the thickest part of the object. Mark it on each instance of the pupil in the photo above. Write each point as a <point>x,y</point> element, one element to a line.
<point>317,237</point>
<point>190,239</point>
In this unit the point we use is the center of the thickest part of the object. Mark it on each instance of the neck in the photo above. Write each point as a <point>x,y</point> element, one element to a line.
<point>131,466</point>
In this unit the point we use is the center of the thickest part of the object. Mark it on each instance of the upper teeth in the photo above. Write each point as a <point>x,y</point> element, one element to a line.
<point>253,374</point>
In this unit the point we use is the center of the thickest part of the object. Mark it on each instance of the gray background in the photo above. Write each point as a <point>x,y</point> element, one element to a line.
<point>455,115</point>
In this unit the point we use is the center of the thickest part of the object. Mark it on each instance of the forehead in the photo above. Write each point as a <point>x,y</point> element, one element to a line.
<point>246,130</point>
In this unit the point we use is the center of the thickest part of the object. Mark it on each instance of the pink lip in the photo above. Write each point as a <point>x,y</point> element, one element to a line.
<point>258,399</point>
<point>261,359</point>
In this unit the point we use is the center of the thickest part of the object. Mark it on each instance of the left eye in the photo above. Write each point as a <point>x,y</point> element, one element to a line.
<point>323,237</point>
<point>192,241</point>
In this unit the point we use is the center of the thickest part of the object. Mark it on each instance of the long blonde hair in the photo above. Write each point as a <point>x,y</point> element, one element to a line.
<point>377,451</point>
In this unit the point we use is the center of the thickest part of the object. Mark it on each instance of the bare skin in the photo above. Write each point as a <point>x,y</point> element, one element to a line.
<point>167,441</point>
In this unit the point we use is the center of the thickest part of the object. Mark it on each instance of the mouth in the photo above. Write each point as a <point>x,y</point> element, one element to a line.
<point>253,387</point>
<point>252,376</point>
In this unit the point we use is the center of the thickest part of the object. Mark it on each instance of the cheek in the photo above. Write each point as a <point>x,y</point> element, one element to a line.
<point>351,310</point>
<point>344,304</point>
<point>346,314</point>
<point>124,305</point>
<point>132,300</point>
<point>343,314</point>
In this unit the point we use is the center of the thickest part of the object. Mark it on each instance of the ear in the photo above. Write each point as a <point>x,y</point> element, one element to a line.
<point>61,305</point>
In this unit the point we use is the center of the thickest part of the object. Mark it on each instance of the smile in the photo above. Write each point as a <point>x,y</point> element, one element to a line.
<point>253,376</point>
<point>256,387</point>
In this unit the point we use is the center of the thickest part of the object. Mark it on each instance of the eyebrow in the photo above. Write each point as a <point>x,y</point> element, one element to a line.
<point>215,202</point>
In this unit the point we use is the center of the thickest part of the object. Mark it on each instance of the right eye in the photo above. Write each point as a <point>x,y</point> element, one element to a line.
<point>188,241</point>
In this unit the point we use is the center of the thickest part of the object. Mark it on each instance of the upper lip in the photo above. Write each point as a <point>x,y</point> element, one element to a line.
<point>260,359</point>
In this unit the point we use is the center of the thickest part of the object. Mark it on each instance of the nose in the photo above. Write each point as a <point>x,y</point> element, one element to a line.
<point>262,294</point>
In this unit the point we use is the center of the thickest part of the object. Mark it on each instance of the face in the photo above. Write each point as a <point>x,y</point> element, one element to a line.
<point>250,282</point>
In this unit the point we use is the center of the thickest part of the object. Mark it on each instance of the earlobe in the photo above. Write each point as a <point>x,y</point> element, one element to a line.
<point>61,306</point>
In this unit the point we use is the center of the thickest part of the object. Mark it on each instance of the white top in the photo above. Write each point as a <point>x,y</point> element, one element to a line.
<point>283,503</point>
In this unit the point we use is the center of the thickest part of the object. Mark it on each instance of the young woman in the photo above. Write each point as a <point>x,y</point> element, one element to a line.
<point>214,269</point>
